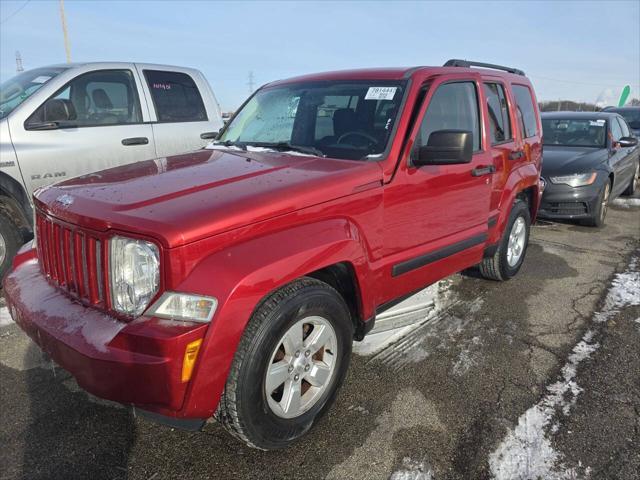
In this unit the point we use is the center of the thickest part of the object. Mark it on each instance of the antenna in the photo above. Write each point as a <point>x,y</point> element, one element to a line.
<point>19,67</point>
<point>250,82</point>
<point>63,19</point>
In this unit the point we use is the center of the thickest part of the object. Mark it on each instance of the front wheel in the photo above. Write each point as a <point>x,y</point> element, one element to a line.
<point>289,365</point>
<point>508,258</point>
<point>602,204</point>
<point>633,184</point>
<point>10,242</point>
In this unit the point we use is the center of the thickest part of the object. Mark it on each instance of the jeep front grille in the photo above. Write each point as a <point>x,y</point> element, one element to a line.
<point>72,259</point>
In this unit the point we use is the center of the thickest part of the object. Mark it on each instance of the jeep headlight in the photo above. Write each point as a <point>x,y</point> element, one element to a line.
<point>576,180</point>
<point>134,273</point>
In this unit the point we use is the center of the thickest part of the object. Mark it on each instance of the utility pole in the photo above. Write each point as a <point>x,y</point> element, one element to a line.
<point>67,48</point>
<point>19,67</point>
<point>250,83</point>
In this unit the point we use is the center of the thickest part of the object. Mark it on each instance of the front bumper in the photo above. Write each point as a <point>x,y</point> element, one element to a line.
<point>560,201</point>
<point>137,363</point>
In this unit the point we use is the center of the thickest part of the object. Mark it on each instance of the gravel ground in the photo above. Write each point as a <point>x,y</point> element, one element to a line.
<point>533,378</point>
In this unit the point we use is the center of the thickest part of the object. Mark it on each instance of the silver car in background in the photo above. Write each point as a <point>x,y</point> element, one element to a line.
<point>67,120</point>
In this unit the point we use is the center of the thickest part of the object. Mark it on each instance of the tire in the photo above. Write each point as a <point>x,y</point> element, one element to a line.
<point>256,416</point>
<point>600,213</point>
<point>10,243</point>
<point>635,180</point>
<point>504,265</point>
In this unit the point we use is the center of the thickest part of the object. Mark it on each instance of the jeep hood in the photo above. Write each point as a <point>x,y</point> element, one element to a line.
<point>185,198</point>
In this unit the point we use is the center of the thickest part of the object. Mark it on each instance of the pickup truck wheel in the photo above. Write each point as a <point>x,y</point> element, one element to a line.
<point>10,242</point>
<point>289,365</point>
<point>508,258</point>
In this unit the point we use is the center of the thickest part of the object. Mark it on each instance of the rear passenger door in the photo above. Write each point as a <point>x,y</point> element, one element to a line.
<point>505,150</point>
<point>530,135</point>
<point>185,115</point>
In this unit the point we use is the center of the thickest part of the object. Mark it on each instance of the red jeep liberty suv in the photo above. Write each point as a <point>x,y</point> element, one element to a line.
<point>231,281</point>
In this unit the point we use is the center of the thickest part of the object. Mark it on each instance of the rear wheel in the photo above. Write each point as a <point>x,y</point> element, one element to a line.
<point>602,205</point>
<point>508,258</point>
<point>289,365</point>
<point>10,242</point>
<point>633,184</point>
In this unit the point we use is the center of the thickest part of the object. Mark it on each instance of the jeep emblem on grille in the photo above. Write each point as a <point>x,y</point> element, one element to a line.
<point>65,200</point>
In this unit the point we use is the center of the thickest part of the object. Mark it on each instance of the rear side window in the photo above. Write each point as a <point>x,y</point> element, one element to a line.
<point>499,122</point>
<point>526,110</point>
<point>454,106</point>
<point>175,97</point>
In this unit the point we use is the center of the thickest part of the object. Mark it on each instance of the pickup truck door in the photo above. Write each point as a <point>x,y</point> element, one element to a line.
<point>90,121</point>
<point>183,109</point>
<point>435,216</point>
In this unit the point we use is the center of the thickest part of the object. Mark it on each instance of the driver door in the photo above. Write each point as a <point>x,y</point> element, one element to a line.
<point>93,122</point>
<point>436,215</point>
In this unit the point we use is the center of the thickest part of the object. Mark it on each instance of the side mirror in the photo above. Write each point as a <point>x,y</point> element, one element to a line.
<point>53,114</point>
<point>628,142</point>
<point>445,147</point>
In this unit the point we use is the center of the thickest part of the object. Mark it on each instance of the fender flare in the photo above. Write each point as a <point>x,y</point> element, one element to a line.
<point>18,201</point>
<point>241,276</point>
<point>520,179</point>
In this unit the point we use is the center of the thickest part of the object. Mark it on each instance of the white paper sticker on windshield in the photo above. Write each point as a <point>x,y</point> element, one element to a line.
<point>596,123</point>
<point>380,93</point>
<point>40,79</point>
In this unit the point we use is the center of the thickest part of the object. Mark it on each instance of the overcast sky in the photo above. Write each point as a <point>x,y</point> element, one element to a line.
<point>571,50</point>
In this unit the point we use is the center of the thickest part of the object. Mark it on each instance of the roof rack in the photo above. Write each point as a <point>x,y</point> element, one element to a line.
<point>454,62</point>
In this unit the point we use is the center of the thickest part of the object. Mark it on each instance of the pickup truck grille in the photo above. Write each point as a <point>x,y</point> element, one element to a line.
<point>72,259</point>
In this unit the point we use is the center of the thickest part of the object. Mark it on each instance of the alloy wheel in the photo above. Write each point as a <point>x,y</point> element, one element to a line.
<point>3,248</point>
<point>301,368</point>
<point>517,238</point>
<point>605,201</point>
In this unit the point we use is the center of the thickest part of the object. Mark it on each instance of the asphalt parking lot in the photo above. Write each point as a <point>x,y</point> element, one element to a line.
<point>534,378</point>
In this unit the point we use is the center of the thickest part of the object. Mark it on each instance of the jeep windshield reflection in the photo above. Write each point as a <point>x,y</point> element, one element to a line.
<point>348,120</point>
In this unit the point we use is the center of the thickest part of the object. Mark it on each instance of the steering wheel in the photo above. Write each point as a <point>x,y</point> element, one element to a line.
<point>371,139</point>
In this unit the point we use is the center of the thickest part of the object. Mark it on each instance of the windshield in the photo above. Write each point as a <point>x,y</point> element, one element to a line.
<point>17,89</point>
<point>574,132</point>
<point>347,120</point>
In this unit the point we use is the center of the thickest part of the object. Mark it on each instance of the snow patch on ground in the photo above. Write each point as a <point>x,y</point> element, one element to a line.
<point>5,317</point>
<point>413,470</point>
<point>467,357</point>
<point>527,452</point>
<point>626,202</point>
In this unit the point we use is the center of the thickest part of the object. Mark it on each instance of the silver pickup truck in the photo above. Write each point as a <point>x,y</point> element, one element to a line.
<point>67,120</point>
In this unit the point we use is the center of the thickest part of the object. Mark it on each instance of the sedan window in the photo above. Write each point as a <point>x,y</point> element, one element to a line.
<point>568,132</point>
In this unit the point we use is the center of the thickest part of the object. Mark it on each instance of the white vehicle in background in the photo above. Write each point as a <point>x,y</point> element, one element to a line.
<point>67,120</point>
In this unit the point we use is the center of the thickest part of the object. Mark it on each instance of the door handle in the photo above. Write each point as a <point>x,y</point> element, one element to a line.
<point>516,155</point>
<point>135,141</point>
<point>208,135</point>
<point>480,171</point>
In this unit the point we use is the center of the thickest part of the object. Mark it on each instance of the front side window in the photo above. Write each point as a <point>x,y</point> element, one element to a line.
<point>348,120</point>
<point>105,97</point>
<point>175,97</point>
<point>624,127</point>
<point>499,122</point>
<point>526,110</point>
<point>616,131</point>
<point>17,89</point>
<point>454,106</point>
<point>568,132</point>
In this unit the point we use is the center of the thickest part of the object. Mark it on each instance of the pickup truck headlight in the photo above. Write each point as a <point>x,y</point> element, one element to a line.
<point>135,274</point>
<point>576,180</point>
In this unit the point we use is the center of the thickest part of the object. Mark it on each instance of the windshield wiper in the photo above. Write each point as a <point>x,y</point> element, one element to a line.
<point>229,143</point>
<point>283,146</point>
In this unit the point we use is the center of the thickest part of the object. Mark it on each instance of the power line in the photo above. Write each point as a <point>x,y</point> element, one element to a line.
<point>577,83</point>
<point>15,12</point>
